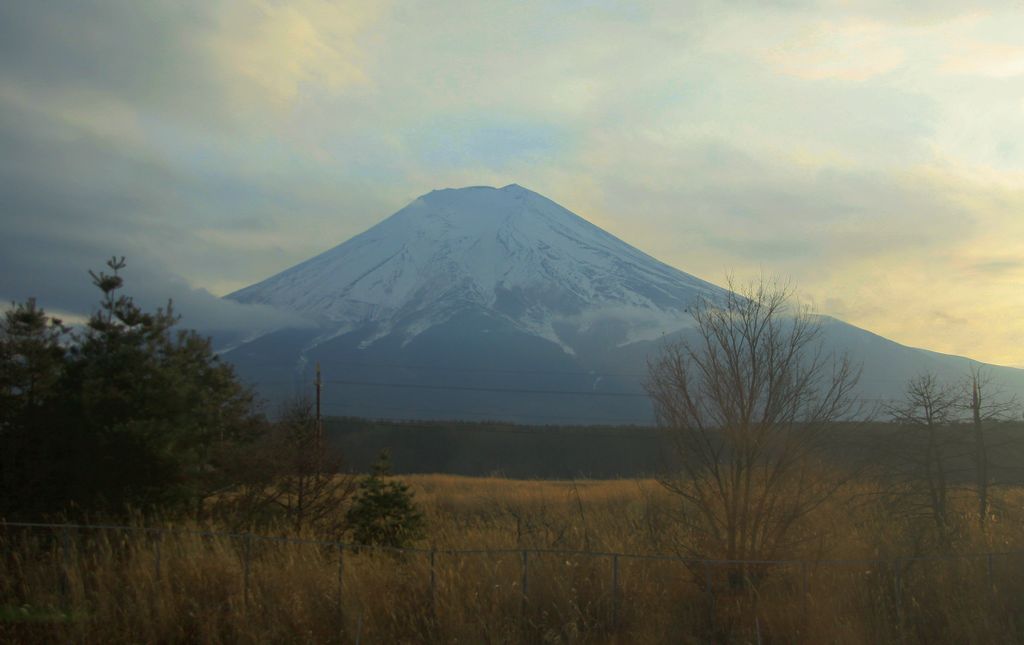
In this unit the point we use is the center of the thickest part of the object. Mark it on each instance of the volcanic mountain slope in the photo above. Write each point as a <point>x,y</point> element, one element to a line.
<point>498,303</point>
<point>507,253</point>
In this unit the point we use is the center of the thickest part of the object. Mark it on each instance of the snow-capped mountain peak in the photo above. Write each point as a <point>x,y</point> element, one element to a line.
<point>506,252</point>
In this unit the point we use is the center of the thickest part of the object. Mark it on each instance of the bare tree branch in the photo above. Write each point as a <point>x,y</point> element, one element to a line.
<point>747,404</point>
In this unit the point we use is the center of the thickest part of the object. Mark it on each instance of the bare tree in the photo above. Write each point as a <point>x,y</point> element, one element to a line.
<point>292,475</point>
<point>311,487</point>
<point>748,404</point>
<point>986,404</point>
<point>928,409</point>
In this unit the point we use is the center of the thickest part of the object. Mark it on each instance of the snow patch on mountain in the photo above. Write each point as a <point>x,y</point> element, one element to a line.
<point>509,252</point>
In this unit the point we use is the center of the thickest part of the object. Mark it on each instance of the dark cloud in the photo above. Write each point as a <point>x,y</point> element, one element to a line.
<point>158,56</point>
<point>70,199</point>
<point>144,53</point>
<point>56,274</point>
<point>120,136</point>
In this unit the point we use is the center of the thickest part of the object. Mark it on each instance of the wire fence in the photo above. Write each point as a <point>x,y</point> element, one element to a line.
<point>614,580</point>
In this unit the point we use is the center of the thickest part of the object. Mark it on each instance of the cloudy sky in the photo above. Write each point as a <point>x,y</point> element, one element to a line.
<point>871,151</point>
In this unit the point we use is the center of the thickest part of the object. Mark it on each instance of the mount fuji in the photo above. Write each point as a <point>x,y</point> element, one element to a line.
<point>497,303</point>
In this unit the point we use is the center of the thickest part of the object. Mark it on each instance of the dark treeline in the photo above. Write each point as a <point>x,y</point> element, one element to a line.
<point>881,449</point>
<point>503,449</point>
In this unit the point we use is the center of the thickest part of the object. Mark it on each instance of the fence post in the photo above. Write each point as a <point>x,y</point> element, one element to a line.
<point>898,576</point>
<point>525,587</point>
<point>988,572</point>
<point>709,587</point>
<point>433,584</point>
<point>156,554</point>
<point>615,591</point>
<point>898,587</point>
<point>246,555</point>
<point>65,562</point>
<point>804,592</point>
<point>341,577</point>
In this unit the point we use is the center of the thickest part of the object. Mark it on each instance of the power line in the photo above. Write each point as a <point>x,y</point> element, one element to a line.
<point>466,370</point>
<point>473,388</point>
<point>646,431</point>
<point>503,390</point>
<point>470,388</point>
<point>472,370</point>
<point>498,415</point>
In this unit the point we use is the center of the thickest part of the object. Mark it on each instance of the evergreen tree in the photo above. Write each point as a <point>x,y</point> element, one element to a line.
<point>33,359</point>
<point>133,408</point>
<point>154,399</point>
<point>383,512</point>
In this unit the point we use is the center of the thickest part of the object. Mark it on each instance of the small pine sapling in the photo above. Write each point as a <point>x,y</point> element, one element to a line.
<point>383,512</point>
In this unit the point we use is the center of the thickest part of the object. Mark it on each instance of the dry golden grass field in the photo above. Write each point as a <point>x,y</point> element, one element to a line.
<point>106,586</point>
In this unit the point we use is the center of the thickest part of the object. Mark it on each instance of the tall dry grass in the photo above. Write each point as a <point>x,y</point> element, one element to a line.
<point>103,586</point>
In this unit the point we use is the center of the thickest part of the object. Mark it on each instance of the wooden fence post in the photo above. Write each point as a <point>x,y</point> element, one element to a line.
<point>804,592</point>
<point>341,578</point>
<point>615,591</point>
<point>897,582</point>
<point>156,554</point>
<point>988,574</point>
<point>525,587</point>
<point>433,584</point>
<point>65,573</point>
<point>709,587</point>
<point>246,555</point>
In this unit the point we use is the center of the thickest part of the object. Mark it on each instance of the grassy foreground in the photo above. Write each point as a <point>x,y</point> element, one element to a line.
<point>111,586</point>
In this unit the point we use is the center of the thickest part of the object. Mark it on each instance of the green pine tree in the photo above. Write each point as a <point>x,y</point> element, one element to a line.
<point>33,361</point>
<point>154,399</point>
<point>122,414</point>
<point>383,512</point>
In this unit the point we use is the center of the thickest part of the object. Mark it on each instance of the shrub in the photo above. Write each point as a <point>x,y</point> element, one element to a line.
<point>383,512</point>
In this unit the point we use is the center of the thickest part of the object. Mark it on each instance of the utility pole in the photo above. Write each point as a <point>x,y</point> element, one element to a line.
<point>319,423</point>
